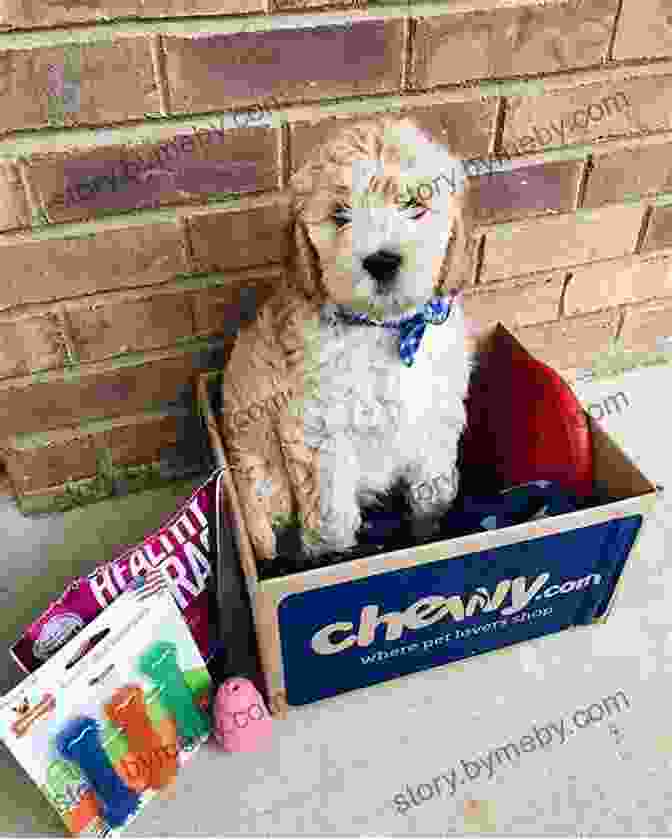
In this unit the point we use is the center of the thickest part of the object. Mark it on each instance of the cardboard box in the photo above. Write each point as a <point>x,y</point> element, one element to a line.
<point>111,687</point>
<point>326,631</point>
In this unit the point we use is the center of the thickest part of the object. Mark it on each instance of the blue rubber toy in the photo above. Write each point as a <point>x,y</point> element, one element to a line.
<point>79,741</point>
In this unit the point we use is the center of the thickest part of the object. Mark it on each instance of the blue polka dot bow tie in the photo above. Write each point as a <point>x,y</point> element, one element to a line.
<point>411,328</point>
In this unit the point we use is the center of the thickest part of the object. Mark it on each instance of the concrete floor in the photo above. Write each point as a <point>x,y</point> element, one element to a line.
<point>335,767</point>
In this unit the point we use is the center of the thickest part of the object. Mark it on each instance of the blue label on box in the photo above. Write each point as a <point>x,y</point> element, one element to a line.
<point>358,633</point>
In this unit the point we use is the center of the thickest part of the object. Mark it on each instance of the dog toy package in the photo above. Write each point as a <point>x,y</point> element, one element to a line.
<point>110,719</point>
<point>177,554</point>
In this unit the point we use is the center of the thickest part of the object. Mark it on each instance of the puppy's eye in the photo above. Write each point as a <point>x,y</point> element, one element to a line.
<point>414,208</point>
<point>342,215</point>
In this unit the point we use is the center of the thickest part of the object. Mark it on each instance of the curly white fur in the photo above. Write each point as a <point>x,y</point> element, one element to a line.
<point>372,419</point>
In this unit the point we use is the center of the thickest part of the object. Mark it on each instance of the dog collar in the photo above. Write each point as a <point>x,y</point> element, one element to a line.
<point>411,327</point>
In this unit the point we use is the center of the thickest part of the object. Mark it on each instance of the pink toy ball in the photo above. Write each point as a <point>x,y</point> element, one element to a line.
<point>242,721</point>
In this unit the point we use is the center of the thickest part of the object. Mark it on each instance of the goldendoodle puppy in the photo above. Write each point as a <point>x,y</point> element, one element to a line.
<point>352,378</point>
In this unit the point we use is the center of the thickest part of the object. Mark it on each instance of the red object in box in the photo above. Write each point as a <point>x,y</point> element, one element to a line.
<point>524,423</point>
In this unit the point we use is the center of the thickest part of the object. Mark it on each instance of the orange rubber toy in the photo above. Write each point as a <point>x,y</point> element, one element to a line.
<point>128,711</point>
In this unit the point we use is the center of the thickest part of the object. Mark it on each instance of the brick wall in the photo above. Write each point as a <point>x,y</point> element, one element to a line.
<point>144,147</point>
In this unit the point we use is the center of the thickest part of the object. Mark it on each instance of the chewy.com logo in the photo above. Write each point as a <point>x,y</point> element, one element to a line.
<point>429,610</point>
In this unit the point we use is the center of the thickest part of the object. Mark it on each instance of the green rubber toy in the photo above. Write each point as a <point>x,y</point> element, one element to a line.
<point>159,663</point>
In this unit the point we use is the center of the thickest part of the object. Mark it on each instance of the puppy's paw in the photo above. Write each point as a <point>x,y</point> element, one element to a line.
<point>312,544</point>
<point>433,495</point>
<point>338,533</point>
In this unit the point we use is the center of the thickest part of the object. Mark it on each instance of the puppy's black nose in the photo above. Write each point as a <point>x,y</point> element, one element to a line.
<point>383,267</point>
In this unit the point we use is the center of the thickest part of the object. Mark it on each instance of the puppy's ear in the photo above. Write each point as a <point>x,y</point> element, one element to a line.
<point>304,262</point>
<point>458,264</point>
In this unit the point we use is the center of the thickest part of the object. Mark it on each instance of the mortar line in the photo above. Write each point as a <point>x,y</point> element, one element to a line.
<point>582,184</point>
<point>182,223</point>
<point>478,262</point>
<point>609,53</point>
<point>158,52</point>
<point>68,334</point>
<point>34,205</point>
<point>497,131</point>
<point>620,322</point>
<point>562,312</point>
<point>643,230</point>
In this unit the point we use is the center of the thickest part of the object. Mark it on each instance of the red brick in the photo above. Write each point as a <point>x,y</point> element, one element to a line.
<point>72,454</point>
<point>304,64</point>
<point>115,83</point>
<point>55,269</point>
<point>143,440</point>
<point>644,30</point>
<point>603,284</point>
<point>30,343</point>
<point>557,241</point>
<point>570,344</point>
<point>32,13</point>
<point>306,135</point>
<point>463,127</point>
<point>659,233</point>
<point>233,239</point>
<point>219,310</point>
<point>497,43</point>
<point>188,167</point>
<point>645,323</point>
<point>640,170</point>
<point>14,210</point>
<point>526,191</point>
<point>65,458</point>
<point>104,329</point>
<point>515,303</point>
<point>625,107</point>
<point>96,391</point>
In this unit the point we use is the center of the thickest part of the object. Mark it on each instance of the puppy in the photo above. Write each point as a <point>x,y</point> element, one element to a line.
<point>380,208</point>
<point>381,228</point>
